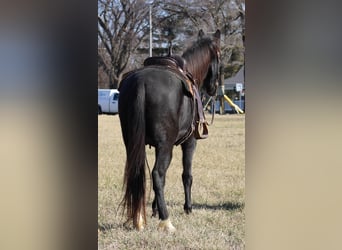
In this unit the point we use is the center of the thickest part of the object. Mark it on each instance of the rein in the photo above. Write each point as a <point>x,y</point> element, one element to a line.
<point>213,98</point>
<point>213,102</point>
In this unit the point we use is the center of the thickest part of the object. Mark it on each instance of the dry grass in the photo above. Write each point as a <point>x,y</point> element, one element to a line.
<point>218,191</point>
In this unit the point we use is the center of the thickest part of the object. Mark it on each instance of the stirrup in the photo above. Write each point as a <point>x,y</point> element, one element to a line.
<point>201,130</point>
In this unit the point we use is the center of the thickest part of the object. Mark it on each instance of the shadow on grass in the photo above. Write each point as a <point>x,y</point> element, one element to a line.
<point>106,227</point>
<point>222,206</point>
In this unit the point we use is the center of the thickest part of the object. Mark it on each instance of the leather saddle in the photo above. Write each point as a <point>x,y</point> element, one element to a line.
<point>177,65</point>
<point>171,61</point>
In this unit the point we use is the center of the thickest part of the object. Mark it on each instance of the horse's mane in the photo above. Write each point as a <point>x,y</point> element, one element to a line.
<point>198,57</point>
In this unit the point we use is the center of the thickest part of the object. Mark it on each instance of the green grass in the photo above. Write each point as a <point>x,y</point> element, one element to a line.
<point>218,191</point>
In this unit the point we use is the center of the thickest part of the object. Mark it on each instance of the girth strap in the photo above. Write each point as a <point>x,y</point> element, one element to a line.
<point>201,125</point>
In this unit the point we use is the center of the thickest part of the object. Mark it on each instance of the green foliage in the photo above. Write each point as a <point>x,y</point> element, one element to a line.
<point>233,63</point>
<point>231,69</point>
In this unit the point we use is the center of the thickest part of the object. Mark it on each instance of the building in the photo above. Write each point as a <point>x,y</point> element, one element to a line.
<point>231,89</point>
<point>230,84</point>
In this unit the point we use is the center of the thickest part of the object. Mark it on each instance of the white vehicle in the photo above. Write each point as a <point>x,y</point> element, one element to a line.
<point>108,101</point>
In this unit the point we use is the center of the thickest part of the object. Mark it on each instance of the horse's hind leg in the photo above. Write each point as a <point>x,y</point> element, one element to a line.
<point>163,159</point>
<point>154,208</point>
<point>188,148</point>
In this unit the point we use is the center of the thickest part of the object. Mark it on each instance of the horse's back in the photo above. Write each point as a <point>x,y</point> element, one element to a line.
<point>160,86</point>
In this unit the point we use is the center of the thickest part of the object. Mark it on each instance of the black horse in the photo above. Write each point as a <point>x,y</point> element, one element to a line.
<point>156,110</point>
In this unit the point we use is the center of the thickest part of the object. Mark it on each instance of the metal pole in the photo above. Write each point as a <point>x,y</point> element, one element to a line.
<point>150,30</point>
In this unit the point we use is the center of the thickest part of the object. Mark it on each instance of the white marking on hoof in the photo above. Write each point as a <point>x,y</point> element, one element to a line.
<point>166,225</point>
<point>140,225</point>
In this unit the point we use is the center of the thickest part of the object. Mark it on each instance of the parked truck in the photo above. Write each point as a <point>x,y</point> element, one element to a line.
<point>108,101</point>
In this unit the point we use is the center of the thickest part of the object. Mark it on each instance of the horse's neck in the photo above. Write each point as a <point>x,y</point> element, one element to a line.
<point>198,72</point>
<point>198,62</point>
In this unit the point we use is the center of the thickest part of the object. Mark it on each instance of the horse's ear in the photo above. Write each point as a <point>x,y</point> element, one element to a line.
<point>217,34</point>
<point>200,34</point>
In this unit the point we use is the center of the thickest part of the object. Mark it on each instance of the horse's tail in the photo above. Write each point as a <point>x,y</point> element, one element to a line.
<point>132,117</point>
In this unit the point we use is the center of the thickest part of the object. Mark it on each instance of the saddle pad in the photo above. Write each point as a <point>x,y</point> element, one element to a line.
<point>171,61</point>
<point>187,84</point>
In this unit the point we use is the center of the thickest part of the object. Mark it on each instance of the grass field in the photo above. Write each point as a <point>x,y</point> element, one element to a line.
<point>218,191</point>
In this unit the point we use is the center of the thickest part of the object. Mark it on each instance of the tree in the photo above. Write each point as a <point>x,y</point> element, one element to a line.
<point>183,19</point>
<point>122,25</point>
<point>231,19</point>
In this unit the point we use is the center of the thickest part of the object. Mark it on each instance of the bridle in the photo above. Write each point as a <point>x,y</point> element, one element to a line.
<point>213,98</point>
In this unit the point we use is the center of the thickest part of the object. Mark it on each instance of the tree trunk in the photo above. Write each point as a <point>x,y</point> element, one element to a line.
<point>221,90</point>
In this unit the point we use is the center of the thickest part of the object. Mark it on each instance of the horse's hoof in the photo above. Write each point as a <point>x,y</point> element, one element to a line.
<point>187,209</point>
<point>166,226</point>
<point>139,226</point>
<point>154,212</point>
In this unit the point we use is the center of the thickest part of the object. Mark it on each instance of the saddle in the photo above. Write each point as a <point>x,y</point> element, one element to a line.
<point>171,61</point>
<point>177,65</point>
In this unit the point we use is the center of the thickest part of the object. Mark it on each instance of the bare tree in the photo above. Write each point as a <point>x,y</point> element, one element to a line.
<point>229,16</point>
<point>186,17</point>
<point>123,28</point>
<point>122,25</point>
